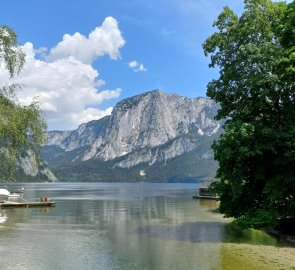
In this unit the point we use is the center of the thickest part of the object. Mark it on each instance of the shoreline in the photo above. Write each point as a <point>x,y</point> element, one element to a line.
<point>290,239</point>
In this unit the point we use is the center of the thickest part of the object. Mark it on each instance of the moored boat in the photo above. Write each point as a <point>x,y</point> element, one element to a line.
<point>13,195</point>
<point>4,192</point>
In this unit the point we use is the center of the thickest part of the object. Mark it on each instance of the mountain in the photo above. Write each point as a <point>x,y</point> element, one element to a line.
<point>153,136</point>
<point>28,167</point>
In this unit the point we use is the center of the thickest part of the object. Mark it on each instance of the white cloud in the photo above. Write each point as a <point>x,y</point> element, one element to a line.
<point>106,39</point>
<point>66,86</point>
<point>141,68</point>
<point>89,114</point>
<point>135,66</point>
<point>40,50</point>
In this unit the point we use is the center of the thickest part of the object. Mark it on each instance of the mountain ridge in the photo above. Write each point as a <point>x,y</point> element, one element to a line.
<point>143,131</point>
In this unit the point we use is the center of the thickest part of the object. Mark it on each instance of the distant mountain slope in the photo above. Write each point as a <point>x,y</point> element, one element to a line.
<point>153,137</point>
<point>27,168</point>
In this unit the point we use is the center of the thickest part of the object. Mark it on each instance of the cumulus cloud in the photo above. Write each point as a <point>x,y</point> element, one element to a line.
<point>40,50</point>
<point>66,86</point>
<point>103,40</point>
<point>135,66</point>
<point>90,114</point>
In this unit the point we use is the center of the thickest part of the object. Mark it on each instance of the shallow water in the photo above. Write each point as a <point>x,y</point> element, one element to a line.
<point>130,226</point>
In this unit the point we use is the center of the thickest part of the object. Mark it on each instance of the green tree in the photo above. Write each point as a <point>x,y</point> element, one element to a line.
<point>255,89</point>
<point>19,125</point>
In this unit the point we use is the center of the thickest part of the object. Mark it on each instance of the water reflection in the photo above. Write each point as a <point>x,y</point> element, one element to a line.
<point>100,226</point>
<point>3,216</point>
<point>212,232</point>
<point>194,232</point>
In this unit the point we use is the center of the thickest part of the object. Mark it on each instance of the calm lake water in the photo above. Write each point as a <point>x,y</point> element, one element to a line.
<point>130,226</point>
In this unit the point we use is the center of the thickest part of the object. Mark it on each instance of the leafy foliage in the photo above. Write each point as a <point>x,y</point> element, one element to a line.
<point>19,125</point>
<point>256,153</point>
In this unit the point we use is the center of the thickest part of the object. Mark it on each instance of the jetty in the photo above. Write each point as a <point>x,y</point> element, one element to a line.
<point>9,204</point>
<point>203,193</point>
<point>15,200</point>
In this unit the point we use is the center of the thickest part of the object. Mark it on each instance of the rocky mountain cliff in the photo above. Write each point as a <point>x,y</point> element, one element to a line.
<point>154,130</point>
<point>28,167</point>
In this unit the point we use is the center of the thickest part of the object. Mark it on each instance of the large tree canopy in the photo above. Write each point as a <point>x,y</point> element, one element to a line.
<point>255,54</point>
<point>19,125</point>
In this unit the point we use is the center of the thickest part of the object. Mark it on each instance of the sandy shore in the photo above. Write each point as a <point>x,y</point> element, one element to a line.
<point>260,257</point>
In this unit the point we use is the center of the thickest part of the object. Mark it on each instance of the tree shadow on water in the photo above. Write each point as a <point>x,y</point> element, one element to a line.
<point>208,232</point>
<point>194,232</point>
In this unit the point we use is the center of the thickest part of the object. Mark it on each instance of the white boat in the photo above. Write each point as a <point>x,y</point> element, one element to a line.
<point>13,195</point>
<point>4,192</point>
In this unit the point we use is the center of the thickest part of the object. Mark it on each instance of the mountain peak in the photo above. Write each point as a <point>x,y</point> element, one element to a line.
<point>140,126</point>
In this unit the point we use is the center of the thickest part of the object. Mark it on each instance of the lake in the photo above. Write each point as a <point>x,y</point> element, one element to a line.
<point>130,226</point>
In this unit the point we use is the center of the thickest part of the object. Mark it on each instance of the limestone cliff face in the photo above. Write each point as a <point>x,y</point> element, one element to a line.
<point>28,167</point>
<point>31,170</point>
<point>148,128</point>
<point>150,120</point>
<point>144,121</point>
<point>86,134</point>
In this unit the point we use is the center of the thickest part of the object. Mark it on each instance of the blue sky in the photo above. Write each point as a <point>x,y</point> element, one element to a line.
<point>139,46</point>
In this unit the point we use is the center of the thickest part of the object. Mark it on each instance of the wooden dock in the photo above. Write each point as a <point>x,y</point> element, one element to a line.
<point>203,193</point>
<point>8,204</point>
<point>205,197</point>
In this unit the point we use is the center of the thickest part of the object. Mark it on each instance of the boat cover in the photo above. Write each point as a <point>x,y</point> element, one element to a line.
<point>4,192</point>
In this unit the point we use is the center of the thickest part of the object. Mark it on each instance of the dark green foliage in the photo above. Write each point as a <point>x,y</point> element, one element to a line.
<point>172,171</point>
<point>256,153</point>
